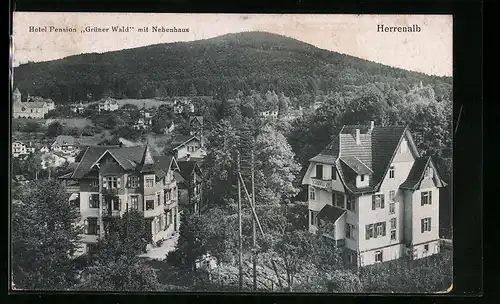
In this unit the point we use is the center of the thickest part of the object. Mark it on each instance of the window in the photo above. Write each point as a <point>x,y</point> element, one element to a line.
<point>112,182</point>
<point>94,183</point>
<point>380,229</point>
<point>392,195</point>
<point>362,177</point>
<point>393,235</point>
<point>94,201</point>
<point>425,224</point>
<point>91,226</point>
<point>426,248</point>
<point>351,203</point>
<point>393,223</point>
<point>391,172</point>
<point>314,218</point>
<point>426,198</point>
<point>134,201</point>
<point>339,200</point>
<point>149,182</point>
<point>133,182</point>
<point>170,220</point>
<point>312,194</point>
<point>392,208</point>
<point>429,173</point>
<point>350,231</point>
<point>375,230</point>
<point>319,171</point>
<point>116,202</point>
<point>378,256</point>
<point>350,257</point>
<point>334,173</point>
<point>158,199</point>
<point>404,146</point>
<point>377,201</point>
<point>150,204</point>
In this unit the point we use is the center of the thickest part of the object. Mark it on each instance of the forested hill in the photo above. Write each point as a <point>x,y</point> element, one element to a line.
<point>219,66</point>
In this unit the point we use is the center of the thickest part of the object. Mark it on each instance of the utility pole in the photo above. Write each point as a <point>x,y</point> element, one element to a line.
<point>240,233</point>
<point>254,234</point>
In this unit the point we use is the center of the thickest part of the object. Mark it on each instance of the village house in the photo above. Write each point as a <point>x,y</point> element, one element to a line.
<point>374,195</point>
<point>190,186</point>
<point>108,104</point>
<point>188,148</point>
<point>65,144</point>
<point>78,108</point>
<point>269,113</point>
<point>169,128</point>
<point>112,180</point>
<point>55,159</point>
<point>196,125</point>
<point>20,149</point>
<point>34,107</point>
<point>183,105</point>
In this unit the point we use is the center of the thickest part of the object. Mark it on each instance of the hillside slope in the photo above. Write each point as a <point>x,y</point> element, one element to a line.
<point>218,66</point>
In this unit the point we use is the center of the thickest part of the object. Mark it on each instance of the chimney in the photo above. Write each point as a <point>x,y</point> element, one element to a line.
<point>372,124</point>
<point>358,140</point>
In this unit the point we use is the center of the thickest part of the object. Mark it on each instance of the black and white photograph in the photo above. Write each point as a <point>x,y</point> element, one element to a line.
<point>231,153</point>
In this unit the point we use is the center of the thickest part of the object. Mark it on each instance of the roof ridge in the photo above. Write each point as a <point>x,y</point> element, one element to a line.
<point>363,163</point>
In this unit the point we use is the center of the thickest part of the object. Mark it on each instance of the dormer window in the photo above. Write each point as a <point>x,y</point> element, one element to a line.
<point>319,171</point>
<point>429,173</point>
<point>404,147</point>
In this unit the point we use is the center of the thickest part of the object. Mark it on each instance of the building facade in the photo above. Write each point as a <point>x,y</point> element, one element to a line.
<point>112,180</point>
<point>190,186</point>
<point>373,194</point>
<point>20,149</point>
<point>34,107</point>
<point>188,148</point>
<point>108,104</point>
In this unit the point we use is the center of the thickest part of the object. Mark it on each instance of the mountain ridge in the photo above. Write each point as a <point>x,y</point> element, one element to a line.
<point>219,65</point>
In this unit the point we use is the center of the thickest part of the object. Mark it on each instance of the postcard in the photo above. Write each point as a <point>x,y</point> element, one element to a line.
<point>306,153</point>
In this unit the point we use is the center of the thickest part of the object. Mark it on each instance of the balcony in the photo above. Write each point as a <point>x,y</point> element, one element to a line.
<point>337,243</point>
<point>320,183</point>
<point>112,191</point>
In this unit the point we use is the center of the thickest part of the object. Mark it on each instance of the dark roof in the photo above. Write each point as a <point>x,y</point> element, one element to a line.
<point>416,174</point>
<point>128,157</point>
<point>371,156</point>
<point>147,162</point>
<point>187,168</point>
<point>330,213</point>
<point>180,139</point>
<point>65,140</point>
<point>356,165</point>
<point>163,162</point>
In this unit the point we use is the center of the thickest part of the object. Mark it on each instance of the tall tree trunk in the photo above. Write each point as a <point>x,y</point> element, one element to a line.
<point>275,268</point>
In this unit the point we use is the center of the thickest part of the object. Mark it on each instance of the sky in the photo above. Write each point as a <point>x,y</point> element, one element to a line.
<point>428,51</point>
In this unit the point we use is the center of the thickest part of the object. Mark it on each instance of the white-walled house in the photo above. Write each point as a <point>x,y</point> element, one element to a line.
<point>20,149</point>
<point>188,147</point>
<point>378,195</point>
<point>112,180</point>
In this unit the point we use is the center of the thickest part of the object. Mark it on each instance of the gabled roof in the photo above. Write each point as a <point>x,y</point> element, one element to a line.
<point>372,155</point>
<point>187,168</point>
<point>199,119</point>
<point>65,140</point>
<point>16,91</point>
<point>330,213</point>
<point>178,140</point>
<point>417,172</point>
<point>147,162</point>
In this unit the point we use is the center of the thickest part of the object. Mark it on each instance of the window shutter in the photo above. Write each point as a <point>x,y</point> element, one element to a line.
<point>98,228</point>
<point>382,198</point>
<point>383,228</point>
<point>373,202</point>
<point>422,199</point>
<point>119,204</point>
<point>430,226</point>
<point>430,197</point>
<point>367,233</point>
<point>422,225</point>
<point>127,182</point>
<point>104,184</point>
<point>86,225</point>
<point>118,182</point>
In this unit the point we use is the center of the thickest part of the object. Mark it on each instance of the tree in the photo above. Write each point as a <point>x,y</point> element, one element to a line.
<point>283,105</point>
<point>44,237</point>
<point>31,127</point>
<point>192,90</point>
<point>54,129</point>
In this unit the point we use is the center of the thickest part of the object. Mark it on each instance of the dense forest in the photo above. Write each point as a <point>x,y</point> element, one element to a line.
<point>218,67</point>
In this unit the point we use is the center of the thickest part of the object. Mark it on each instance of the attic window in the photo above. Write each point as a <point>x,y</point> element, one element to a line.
<point>391,172</point>
<point>404,147</point>
<point>430,172</point>
<point>362,177</point>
